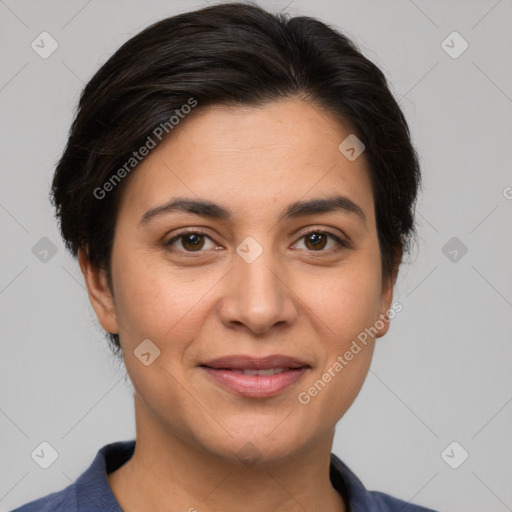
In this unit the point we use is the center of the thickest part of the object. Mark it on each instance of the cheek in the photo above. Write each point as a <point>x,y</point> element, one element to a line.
<point>168,307</point>
<point>345,307</point>
<point>347,302</point>
<point>156,302</point>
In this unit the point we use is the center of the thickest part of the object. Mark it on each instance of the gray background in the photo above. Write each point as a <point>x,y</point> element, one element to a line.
<point>442,373</point>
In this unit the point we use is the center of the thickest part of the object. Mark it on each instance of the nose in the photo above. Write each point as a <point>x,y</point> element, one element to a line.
<point>258,297</point>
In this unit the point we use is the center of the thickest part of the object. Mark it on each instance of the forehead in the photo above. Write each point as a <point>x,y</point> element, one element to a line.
<point>251,159</point>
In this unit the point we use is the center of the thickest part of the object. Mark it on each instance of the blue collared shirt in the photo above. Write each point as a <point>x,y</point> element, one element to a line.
<point>92,493</point>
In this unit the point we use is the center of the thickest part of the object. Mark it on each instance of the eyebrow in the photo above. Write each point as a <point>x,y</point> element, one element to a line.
<point>295,210</point>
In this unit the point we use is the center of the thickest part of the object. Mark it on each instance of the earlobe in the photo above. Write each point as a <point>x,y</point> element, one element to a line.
<point>100,295</point>
<point>382,323</point>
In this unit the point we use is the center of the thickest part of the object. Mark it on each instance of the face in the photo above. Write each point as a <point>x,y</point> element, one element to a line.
<point>249,276</point>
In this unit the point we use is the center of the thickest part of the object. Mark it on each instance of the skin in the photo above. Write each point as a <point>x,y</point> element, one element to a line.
<point>294,299</point>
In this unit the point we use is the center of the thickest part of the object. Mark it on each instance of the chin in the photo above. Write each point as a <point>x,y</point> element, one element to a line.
<point>252,445</point>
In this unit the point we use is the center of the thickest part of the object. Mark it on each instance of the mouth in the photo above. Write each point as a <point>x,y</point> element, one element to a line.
<point>255,377</point>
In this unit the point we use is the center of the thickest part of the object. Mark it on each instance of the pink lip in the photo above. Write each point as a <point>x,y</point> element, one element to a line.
<point>256,386</point>
<point>222,370</point>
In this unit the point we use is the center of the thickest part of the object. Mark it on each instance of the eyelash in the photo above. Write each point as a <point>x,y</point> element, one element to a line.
<point>341,244</point>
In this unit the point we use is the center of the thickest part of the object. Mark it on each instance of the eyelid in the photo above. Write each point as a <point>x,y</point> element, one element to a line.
<point>342,242</point>
<point>191,231</point>
<point>337,236</point>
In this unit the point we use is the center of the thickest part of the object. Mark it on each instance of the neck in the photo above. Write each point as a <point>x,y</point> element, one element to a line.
<point>177,474</point>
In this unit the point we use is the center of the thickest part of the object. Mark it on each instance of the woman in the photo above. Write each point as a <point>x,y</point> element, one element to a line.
<point>239,190</point>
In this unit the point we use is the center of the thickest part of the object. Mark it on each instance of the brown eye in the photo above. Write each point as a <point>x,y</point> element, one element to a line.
<point>191,241</point>
<point>317,240</point>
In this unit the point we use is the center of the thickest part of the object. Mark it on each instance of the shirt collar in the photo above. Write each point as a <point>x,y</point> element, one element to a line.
<point>93,489</point>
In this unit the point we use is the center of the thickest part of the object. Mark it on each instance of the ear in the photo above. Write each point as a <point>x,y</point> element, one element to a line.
<point>100,295</point>
<point>388,287</point>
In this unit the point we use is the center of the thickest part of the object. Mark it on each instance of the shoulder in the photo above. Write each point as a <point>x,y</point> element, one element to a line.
<point>360,499</point>
<point>387,503</point>
<point>91,490</point>
<point>60,501</point>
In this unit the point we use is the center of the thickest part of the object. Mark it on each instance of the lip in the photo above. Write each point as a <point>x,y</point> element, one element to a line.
<point>243,362</point>
<point>224,372</point>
